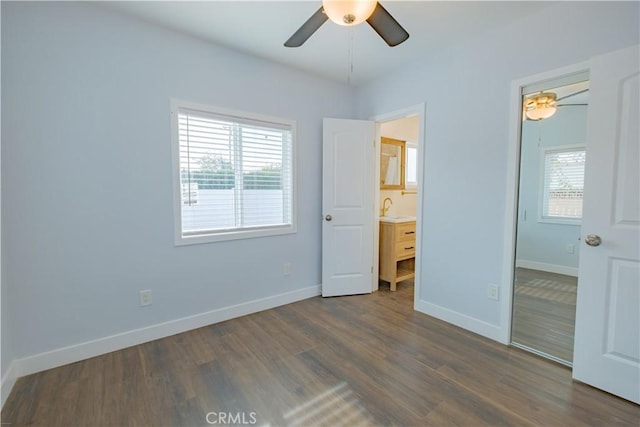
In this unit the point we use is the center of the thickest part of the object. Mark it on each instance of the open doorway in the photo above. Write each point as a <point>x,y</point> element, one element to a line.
<point>551,189</point>
<point>398,199</point>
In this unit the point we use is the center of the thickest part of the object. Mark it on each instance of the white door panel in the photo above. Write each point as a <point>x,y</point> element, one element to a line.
<point>627,178</point>
<point>607,338</point>
<point>347,203</point>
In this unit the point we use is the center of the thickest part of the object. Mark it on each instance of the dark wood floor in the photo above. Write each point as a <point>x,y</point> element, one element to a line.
<point>361,360</point>
<point>544,312</point>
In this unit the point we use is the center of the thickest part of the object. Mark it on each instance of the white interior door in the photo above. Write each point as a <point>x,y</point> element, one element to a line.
<point>347,205</point>
<point>607,338</point>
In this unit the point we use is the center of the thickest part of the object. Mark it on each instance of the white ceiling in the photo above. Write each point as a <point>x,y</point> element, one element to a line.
<point>261,27</point>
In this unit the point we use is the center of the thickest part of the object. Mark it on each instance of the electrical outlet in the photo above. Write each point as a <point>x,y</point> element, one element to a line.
<point>493,292</point>
<point>145,297</point>
<point>286,269</point>
<point>571,248</point>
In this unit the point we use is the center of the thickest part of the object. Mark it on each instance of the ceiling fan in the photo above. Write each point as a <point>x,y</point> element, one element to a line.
<point>350,13</point>
<point>543,105</point>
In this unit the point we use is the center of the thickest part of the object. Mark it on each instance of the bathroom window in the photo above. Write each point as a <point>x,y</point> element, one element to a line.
<point>233,173</point>
<point>411,169</point>
<point>562,184</point>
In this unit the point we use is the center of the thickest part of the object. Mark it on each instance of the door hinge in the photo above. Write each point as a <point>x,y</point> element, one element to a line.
<point>372,269</point>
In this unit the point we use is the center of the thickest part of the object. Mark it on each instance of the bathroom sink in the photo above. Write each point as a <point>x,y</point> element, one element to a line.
<point>397,218</point>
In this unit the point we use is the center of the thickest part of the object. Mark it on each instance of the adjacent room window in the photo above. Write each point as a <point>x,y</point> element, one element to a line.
<point>233,172</point>
<point>562,184</point>
<point>411,166</point>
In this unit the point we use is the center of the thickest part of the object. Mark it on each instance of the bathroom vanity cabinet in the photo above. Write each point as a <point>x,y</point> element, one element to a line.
<point>397,250</point>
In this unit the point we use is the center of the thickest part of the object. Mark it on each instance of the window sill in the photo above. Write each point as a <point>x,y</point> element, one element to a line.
<point>561,221</point>
<point>223,236</point>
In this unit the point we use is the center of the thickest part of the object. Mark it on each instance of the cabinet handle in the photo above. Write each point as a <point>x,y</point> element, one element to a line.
<point>409,232</point>
<point>410,247</point>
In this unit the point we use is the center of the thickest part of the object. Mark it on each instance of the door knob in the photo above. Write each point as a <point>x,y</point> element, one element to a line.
<point>328,218</point>
<point>593,240</point>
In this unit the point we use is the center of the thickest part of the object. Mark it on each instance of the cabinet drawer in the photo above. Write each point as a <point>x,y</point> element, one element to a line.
<point>405,250</point>
<point>406,231</point>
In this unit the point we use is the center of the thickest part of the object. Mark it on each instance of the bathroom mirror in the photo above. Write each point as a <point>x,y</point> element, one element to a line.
<point>392,164</point>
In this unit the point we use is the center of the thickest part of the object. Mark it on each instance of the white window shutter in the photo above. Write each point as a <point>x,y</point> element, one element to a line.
<point>235,173</point>
<point>563,183</point>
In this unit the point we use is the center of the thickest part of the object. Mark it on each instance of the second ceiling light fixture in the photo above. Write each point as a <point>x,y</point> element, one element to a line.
<point>543,105</point>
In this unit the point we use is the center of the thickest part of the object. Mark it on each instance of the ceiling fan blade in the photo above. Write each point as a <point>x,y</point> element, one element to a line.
<point>570,105</point>
<point>387,27</point>
<point>307,29</point>
<point>573,94</point>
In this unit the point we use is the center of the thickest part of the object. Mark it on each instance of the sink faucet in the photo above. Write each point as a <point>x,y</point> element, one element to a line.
<point>385,208</point>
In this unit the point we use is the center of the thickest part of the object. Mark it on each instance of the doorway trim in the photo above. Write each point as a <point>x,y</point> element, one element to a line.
<point>420,111</point>
<point>513,178</point>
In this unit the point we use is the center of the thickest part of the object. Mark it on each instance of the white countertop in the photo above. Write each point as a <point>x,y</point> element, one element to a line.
<point>396,219</point>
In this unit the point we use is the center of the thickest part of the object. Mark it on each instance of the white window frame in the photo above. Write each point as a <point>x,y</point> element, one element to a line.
<point>235,234</point>
<point>541,188</point>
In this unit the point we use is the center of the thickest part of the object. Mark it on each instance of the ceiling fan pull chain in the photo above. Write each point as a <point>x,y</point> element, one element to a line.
<point>350,56</point>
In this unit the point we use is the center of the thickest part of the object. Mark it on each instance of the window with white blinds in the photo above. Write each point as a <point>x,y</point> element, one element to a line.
<point>234,173</point>
<point>563,184</point>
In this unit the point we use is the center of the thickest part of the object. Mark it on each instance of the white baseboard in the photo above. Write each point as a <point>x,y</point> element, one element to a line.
<point>85,350</point>
<point>462,320</point>
<point>8,381</point>
<point>549,268</point>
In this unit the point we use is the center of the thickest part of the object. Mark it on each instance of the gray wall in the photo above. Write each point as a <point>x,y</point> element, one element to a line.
<point>87,185</point>
<point>467,91</point>
<point>541,242</point>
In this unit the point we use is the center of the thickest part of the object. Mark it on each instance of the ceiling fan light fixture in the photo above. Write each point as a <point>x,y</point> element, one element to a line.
<point>541,113</point>
<point>349,13</point>
<point>540,106</point>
